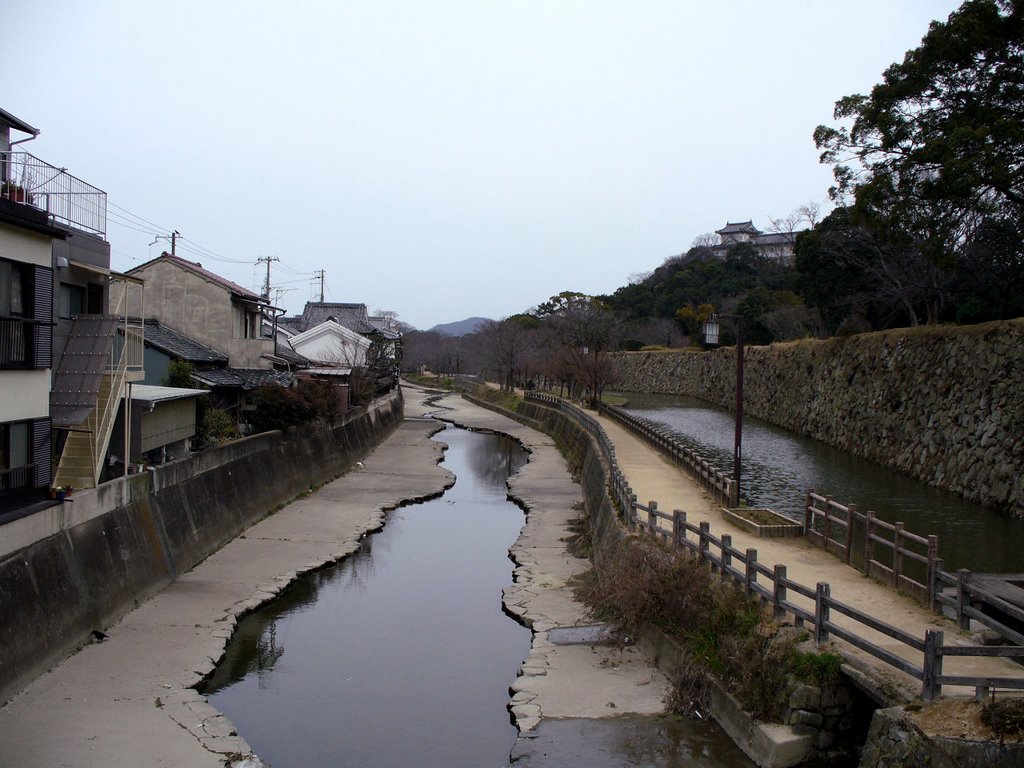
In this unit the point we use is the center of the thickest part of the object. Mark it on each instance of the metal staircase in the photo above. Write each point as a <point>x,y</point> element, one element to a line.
<point>95,371</point>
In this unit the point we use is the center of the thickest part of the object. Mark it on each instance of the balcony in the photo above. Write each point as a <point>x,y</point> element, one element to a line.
<point>67,200</point>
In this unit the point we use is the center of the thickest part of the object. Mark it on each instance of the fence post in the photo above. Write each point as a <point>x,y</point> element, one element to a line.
<point>851,511</point>
<point>726,554</point>
<point>869,543</point>
<point>631,512</point>
<point>897,555</point>
<point>779,591</point>
<point>652,517</point>
<point>680,519</point>
<point>822,613</point>
<point>734,493</point>
<point>828,523</point>
<point>702,548</point>
<point>933,571</point>
<point>932,669</point>
<point>750,575</point>
<point>678,516</point>
<point>962,598</point>
<point>808,518</point>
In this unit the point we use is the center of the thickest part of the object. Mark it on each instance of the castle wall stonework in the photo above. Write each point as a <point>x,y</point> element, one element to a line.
<point>941,404</point>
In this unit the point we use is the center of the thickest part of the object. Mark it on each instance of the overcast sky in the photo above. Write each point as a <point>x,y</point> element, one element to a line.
<point>442,159</point>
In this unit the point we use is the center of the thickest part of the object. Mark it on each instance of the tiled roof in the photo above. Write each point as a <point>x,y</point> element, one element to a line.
<point>197,268</point>
<point>776,238</point>
<point>179,346</point>
<point>732,228</point>
<point>242,378</point>
<point>351,315</point>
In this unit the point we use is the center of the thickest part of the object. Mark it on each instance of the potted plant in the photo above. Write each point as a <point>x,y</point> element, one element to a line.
<point>15,192</point>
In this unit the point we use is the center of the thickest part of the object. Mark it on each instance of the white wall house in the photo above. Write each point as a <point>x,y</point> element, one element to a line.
<point>331,344</point>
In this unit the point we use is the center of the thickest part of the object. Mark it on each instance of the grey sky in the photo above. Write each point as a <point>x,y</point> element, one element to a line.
<point>442,159</point>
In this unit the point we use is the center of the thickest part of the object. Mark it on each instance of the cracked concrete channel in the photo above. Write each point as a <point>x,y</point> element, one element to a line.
<point>131,700</point>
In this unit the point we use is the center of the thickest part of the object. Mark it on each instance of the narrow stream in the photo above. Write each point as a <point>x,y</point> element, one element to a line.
<point>779,465</point>
<point>400,655</point>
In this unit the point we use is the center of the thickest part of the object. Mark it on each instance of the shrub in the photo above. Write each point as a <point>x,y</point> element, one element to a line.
<point>278,408</point>
<point>725,632</point>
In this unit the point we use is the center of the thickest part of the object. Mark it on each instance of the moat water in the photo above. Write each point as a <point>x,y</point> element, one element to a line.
<point>778,466</point>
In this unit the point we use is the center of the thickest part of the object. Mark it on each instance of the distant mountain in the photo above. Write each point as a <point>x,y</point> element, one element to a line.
<point>461,327</point>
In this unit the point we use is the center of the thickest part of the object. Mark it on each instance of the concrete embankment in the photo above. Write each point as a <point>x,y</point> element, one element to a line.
<point>128,700</point>
<point>942,404</point>
<point>79,566</point>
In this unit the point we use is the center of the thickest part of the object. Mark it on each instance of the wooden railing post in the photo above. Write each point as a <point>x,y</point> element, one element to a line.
<point>962,598</point>
<point>934,563</point>
<point>631,512</point>
<point>808,517</point>
<point>851,511</point>
<point>932,667</point>
<point>869,543</point>
<point>750,574</point>
<point>678,527</point>
<point>702,547</point>
<point>897,555</point>
<point>828,523</point>
<point>822,613</point>
<point>652,517</point>
<point>779,591</point>
<point>726,554</point>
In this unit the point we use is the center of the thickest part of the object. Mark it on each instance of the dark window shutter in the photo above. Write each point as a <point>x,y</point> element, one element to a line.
<point>42,311</point>
<point>41,452</point>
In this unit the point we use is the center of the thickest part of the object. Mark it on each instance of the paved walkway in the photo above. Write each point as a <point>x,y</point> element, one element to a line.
<point>654,478</point>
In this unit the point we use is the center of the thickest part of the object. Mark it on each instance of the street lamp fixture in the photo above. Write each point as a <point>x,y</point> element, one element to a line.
<point>711,334</point>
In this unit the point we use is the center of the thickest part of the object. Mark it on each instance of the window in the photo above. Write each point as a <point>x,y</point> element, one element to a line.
<point>13,283</point>
<point>72,300</point>
<point>15,452</point>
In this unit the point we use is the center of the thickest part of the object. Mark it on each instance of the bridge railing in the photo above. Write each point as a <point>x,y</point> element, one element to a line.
<point>787,597</point>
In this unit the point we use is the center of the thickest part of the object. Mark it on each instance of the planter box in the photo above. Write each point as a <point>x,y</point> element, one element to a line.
<point>763,523</point>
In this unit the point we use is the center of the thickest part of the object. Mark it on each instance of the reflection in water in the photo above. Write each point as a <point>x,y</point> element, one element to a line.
<point>401,658</point>
<point>779,465</point>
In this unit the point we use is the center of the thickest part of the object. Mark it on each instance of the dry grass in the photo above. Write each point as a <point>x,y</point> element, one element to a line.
<point>962,718</point>
<point>726,634</point>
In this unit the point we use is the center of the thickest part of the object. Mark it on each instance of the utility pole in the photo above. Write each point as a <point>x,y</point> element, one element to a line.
<point>266,282</point>
<point>320,276</point>
<point>173,237</point>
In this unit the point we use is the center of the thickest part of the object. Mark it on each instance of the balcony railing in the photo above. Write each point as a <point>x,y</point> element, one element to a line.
<point>67,200</point>
<point>17,478</point>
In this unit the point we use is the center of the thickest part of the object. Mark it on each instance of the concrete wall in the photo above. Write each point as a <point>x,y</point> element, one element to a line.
<point>944,404</point>
<point>65,572</point>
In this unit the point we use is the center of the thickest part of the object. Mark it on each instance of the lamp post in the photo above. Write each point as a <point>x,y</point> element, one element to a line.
<point>711,330</point>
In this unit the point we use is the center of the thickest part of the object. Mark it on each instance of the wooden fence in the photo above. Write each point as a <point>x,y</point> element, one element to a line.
<point>772,586</point>
<point>884,551</point>
<point>722,486</point>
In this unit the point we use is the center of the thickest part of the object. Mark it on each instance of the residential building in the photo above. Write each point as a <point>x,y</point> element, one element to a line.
<point>216,325</point>
<point>65,373</point>
<point>207,308</point>
<point>378,329</point>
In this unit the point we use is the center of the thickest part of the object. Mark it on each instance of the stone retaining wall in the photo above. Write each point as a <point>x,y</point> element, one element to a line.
<point>129,539</point>
<point>942,404</point>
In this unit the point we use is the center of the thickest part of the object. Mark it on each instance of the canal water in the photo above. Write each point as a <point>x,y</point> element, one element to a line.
<point>401,654</point>
<point>779,465</point>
